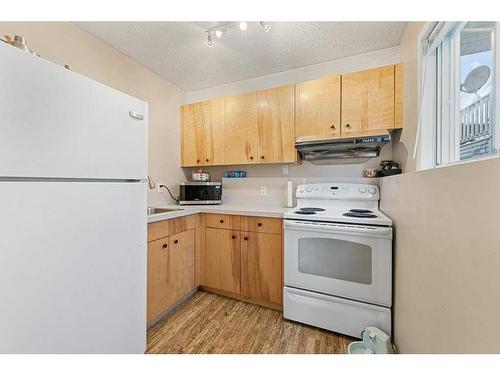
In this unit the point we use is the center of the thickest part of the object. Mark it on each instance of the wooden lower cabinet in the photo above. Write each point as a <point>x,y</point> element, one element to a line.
<point>157,277</point>
<point>222,259</point>
<point>261,266</point>
<point>238,256</point>
<point>245,260</point>
<point>180,272</point>
<point>171,271</point>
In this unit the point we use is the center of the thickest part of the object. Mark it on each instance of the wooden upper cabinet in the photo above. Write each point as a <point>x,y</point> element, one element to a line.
<point>192,143</point>
<point>262,126</point>
<point>242,136</point>
<point>368,102</point>
<point>398,95</point>
<point>275,122</point>
<point>317,108</point>
<point>202,133</point>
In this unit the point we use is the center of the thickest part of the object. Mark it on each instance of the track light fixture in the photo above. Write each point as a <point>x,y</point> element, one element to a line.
<point>265,26</point>
<point>221,30</point>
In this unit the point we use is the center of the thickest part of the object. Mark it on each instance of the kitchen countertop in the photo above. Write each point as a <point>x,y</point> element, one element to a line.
<point>217,209</point>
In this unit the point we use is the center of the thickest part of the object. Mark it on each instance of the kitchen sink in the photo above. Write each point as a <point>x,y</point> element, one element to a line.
<point>154,210</point>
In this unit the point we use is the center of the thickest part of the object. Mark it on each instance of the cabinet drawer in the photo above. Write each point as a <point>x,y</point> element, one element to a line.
<point>164,228</point>
<point>261,224</point>
<point>222,221</point>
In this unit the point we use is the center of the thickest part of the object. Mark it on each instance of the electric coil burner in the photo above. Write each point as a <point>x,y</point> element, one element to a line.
<point>309,210</point>
<point>313,209</point>
<point>305,212</point>
<point>354,212</point>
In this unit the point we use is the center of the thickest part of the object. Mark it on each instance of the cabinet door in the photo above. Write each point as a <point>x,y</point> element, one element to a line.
<point>276,125</point>
<point>158,299</point>
<point>222,259</point>
<point>317,108</point>
<point>368,102</point>
<point>192,142</point>
<point>241,129</point>
<point>203,139</point>
<point>399,74</point>
<point>180,274</point>
<point>261,266</point>
<point>214,118</point>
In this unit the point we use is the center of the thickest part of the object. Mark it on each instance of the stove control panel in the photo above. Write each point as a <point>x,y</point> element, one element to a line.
<point>343,191</point>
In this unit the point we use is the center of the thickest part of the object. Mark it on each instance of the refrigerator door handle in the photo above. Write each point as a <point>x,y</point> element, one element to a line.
<point>136,115</point>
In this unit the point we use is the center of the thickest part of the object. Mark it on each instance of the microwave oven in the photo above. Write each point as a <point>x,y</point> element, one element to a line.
<point>200,193</point>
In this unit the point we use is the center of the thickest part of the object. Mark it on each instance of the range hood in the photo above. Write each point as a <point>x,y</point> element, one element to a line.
<point>343,148</point>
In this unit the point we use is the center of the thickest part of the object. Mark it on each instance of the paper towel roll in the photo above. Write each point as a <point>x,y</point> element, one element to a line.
<point>290,194</point>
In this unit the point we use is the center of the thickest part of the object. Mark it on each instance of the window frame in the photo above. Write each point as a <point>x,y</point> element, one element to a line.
<point>438,136</point>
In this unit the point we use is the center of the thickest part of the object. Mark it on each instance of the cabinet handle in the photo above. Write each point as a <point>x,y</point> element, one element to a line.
<point>221,221</point>
<point>332,127</point>
<point>197,160</point>
<point>176,241</point>
<point>245,238</point>
<point>164,246</point>
<point>207,160</point>
<point>251,157</point>
<point>233,237</point>
<point>348,126</point>
<point>262,157</point>
<point>259,224</point>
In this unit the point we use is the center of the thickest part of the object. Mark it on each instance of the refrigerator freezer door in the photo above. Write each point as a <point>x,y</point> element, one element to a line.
<point>58,123</point>
<point>72,267</point>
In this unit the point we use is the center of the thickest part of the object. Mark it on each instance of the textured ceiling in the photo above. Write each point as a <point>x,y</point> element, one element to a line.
<point>178,51</point>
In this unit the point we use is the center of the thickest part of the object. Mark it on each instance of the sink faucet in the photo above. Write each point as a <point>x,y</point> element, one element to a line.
<point>151,182</point>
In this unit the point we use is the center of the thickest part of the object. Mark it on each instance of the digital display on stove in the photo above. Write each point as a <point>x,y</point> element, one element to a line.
<point>334,188</point>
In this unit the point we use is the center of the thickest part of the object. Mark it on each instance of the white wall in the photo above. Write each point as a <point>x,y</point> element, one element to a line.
<point>333,170</point>
<point>65,43</point>
<point>447,251</point>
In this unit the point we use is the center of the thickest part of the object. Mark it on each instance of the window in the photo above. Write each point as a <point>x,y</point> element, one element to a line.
<point>458,93</point>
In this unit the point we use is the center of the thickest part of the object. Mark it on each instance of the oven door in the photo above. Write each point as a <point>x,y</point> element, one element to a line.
<point>351,261</point>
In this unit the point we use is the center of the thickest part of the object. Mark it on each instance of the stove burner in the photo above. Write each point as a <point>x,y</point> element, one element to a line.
<point>312,209</point>
<point>360,211</point>
<point>360,215</point>
<point>305,212</point>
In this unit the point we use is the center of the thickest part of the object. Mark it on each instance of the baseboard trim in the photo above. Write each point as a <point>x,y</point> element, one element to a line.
<point>267,304</point>
<point>168,311</point>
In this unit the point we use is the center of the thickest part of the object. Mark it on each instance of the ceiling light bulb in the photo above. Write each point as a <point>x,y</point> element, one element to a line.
<point>243,25</point>
<point>266,26</point>
<point>209,40</point>
<point>220,32</point>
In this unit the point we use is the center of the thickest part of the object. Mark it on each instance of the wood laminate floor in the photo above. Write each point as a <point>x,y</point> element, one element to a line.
<point>208,323</point>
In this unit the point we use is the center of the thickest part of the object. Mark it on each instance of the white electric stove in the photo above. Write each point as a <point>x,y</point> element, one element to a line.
<point>338,258</point>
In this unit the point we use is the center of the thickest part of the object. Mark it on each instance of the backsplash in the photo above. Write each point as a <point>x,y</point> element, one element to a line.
<point>271,191</point>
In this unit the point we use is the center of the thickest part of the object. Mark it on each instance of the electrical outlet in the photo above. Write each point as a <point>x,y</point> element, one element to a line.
<point>263,190</point>
<point>285,169</point>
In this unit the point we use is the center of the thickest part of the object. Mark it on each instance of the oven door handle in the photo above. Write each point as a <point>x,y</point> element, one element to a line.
<point>343,228</point>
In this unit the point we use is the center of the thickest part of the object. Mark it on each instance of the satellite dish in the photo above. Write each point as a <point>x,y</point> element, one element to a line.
<point>476,79</point>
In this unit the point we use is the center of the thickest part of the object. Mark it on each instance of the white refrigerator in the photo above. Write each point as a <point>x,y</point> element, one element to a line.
<point>73,160</point>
